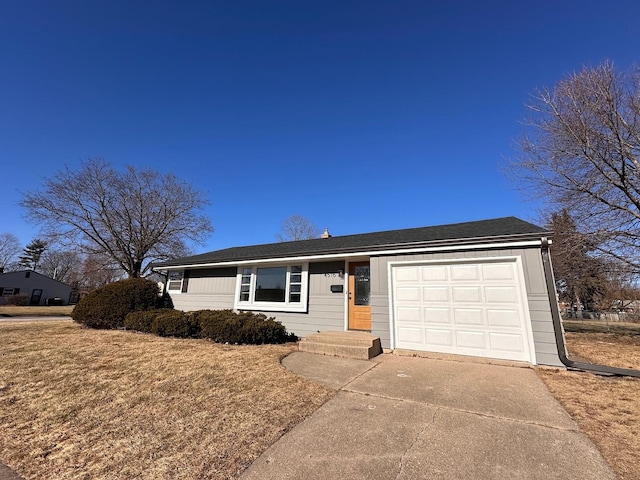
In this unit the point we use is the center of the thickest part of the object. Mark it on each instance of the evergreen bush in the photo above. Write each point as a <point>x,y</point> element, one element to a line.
<point>107,306</point>
<point>174,323</point>
<point>227,326</point>
<point>141,320</point>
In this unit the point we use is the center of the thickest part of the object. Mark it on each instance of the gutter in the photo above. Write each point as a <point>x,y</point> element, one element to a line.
<point>557,327</point>
<point>353,252</point>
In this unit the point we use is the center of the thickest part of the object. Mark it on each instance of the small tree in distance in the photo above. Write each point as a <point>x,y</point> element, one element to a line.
<point>297,227</point>
<point>133,217</point>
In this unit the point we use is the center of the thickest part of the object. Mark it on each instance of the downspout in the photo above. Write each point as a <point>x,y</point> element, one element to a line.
<point>557,326</point>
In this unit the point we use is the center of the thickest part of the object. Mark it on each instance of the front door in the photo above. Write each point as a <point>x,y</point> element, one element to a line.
<point>36,295</point>
<point>359,304</point>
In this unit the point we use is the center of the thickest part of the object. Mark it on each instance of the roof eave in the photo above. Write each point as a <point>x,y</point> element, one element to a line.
<point>336,252</point>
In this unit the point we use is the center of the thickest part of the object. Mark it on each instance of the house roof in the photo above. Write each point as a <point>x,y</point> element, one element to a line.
<point>483,231</point>
<point>22,274</point>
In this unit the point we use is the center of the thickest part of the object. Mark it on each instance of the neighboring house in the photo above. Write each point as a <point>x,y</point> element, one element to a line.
<point>37,287</point>
<point>476,288</point>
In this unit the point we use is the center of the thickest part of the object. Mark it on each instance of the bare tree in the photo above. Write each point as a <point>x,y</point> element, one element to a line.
<point>62,265</point>
<point>9,250</point>
<point>134,217</point>
<point>581,152</point>
<point>297,227</point>
<point>98,270</point>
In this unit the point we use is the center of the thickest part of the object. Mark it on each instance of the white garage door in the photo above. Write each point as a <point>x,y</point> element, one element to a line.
<point>468,308</point>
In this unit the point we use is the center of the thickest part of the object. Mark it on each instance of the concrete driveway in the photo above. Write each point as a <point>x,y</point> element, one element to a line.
<point>415,418</point>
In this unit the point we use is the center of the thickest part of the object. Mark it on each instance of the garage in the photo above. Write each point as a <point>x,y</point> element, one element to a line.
<point>471,307</point>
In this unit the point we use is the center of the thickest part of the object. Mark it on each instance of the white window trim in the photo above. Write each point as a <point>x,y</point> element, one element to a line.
<point>175,290</point>
<point>285,306</point>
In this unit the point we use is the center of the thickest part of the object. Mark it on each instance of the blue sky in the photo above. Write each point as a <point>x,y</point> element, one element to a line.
<point>361,116</point>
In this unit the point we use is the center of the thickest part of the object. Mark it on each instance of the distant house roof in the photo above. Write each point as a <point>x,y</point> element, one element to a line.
<point>494,230</point>
<point>26,273</point>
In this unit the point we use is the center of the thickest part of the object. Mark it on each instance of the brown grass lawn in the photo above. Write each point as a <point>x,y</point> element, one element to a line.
<point>40,311</point>
<point>607,409</point>
<point>77,403</point>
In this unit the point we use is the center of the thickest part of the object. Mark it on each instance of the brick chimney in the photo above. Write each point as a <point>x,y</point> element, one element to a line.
<point>325,234</point>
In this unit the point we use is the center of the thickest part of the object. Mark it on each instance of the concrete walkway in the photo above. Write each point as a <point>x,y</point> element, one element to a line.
<point>416,418</point>
<point>7,474</point>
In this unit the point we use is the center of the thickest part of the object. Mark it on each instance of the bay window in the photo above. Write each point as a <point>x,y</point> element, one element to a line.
<point>273,288</point>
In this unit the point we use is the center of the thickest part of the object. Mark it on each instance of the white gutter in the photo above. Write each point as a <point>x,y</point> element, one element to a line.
<point>441,248</point>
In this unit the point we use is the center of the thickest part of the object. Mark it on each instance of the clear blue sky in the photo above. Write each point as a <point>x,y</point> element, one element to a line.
<point>362,116</point>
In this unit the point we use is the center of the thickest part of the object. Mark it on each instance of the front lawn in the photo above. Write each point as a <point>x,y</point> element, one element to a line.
<point>83,404</point>
<point>607,409</point>
<point>35,311</point>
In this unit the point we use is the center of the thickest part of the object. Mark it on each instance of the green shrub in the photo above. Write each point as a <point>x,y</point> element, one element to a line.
<point>226,326</point>
<point>216,324</point>
<point>141,320</point>
<point>106,307</point>
<point>174,323</point>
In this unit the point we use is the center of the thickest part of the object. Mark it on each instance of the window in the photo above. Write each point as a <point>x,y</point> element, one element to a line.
<point>273,288</point>
<point>9,291</point>
<point>175,280</point>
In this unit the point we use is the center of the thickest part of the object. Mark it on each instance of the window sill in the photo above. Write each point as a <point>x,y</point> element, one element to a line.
<point>261,307</point>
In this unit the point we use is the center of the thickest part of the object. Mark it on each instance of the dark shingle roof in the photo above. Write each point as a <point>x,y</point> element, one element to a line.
<point>494,230</point>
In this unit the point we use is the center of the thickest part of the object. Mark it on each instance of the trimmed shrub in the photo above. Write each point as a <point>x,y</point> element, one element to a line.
<point>226,326</point>
<point>258,329</point>
<point>141,320</point>
<point>216,325</point>
<point>106,307</point>
<point>174,323</point>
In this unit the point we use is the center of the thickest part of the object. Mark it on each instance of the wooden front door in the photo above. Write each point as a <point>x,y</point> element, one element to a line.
<point>359,290</point>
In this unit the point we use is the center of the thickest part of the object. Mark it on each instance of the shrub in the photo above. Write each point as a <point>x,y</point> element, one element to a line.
<point>20,299</point>
<point>141,320</point>
<point>226,326</point>
<point>174,323</point>
<point>216,325</point>
<point>106,307</point>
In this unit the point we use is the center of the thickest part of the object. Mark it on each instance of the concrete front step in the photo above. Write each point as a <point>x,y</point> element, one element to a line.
<point>357,345</point>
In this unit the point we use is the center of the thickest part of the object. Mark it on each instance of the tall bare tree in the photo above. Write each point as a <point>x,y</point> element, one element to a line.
<point>297,227</point>
<point>581,152</point>
<point>134,217</point>
<point>9,250</point>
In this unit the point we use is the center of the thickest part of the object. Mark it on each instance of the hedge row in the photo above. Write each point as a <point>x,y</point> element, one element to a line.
<point>222,326</point>
<point>135,304</point>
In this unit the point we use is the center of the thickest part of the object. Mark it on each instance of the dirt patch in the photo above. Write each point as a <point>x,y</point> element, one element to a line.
<point>607,409</point>
<point>82,404</point>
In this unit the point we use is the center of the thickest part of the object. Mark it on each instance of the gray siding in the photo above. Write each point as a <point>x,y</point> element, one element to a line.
<point>211,288</point>
<point>216,289</point>
<point>535,284</point>
<point>35,281</point>
<point>326,309</point>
